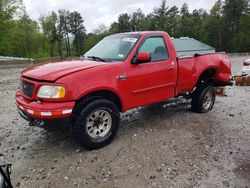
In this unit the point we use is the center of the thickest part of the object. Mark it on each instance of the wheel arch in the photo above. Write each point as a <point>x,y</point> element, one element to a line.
<point>105,93</point>
<point>208,75</point>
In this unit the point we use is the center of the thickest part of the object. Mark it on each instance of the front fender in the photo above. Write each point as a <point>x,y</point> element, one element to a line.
<point>123,98</point>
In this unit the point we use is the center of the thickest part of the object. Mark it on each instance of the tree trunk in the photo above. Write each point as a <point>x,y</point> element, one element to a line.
<point>67,50</point>
<point>219,33</point>
<point>52,49</point>
<point>44,40</point>
<point>69,45</point>
<point>59,48</point>
<point>77,45</point>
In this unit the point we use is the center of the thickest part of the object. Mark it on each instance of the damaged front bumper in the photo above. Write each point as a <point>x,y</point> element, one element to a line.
<point>45,113</point>
<point>54,123</point>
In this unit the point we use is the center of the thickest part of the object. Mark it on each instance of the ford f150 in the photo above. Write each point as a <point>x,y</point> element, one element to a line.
<point>123,71</point>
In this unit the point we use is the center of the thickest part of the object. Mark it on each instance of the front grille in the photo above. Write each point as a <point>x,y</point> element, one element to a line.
<point>27,88</point>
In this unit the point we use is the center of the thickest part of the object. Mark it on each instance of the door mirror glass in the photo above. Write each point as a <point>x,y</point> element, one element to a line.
<point>143,57</point>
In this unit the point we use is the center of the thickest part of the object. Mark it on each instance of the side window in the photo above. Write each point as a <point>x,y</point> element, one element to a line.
<point>156,47</point>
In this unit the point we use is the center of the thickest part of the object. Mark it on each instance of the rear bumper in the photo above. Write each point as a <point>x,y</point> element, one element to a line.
<point>45,110</point>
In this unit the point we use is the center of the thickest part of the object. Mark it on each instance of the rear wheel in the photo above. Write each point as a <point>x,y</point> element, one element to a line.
<point>96,124</point>
<point>203,99</point>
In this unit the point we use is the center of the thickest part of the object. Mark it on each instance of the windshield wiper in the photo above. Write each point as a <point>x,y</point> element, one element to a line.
<point>97,58</point>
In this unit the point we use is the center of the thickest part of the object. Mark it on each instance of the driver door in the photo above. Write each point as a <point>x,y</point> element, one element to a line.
<point>155,80</point>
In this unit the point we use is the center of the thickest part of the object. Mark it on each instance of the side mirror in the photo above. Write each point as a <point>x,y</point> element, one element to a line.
<point>143,57</point>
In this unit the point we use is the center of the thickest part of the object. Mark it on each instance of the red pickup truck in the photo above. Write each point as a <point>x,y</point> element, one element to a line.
<point>121,72</point>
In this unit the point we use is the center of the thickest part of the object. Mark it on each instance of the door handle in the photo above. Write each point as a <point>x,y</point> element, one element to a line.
<point>122,77</point>
<point>171,68</point>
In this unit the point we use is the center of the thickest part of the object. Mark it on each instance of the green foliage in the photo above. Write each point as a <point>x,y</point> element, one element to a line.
<point>226,27</point>
<point>233,10</point>
<point>62,33</point>
<point>78,30</point>
<point>137,20</point>
<point>92,39</point>
<point>213,27</point>
<point>8,8</point>
<point>101,29</point>
<point>241,41</point>
<point>124,23</point>
<point>161,16</point>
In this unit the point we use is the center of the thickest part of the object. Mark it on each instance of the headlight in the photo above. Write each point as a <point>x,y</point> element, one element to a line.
<point>51,92</point>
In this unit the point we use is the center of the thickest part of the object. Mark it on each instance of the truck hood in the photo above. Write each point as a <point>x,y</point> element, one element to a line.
<point>53,71</point>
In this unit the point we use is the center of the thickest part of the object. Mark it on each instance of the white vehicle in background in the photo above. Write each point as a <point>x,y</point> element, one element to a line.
<point>246,67</point>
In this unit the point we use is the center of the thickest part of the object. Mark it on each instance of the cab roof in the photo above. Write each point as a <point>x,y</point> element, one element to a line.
<point>145,32</point>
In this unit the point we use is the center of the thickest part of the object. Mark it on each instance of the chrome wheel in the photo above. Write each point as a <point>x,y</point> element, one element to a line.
<point>208,100</point>
<point>98,124</point>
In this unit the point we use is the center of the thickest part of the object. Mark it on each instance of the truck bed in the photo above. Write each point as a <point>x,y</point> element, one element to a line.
<point>191,67</point>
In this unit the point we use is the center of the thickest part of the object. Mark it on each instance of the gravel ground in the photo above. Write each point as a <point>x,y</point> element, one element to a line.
<point>162,145</point>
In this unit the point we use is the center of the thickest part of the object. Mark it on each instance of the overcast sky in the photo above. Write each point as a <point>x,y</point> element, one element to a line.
<point>96,12</point>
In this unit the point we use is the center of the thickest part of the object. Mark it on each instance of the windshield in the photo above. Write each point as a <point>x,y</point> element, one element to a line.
<point>113,48</point>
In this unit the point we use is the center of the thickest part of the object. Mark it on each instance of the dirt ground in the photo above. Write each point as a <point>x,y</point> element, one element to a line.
<point>162,145</point>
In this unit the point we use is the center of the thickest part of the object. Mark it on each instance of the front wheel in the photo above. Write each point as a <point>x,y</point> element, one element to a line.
<point>96,124</point>
<point>203,99</point>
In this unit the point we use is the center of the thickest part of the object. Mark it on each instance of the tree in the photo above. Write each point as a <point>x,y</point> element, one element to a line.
<point>226,27</point>
<point>184,10</point>
<point>53,37</point>
<point>102,28</point>
<point>241,40</point>
<point>213,26</point>
<point>197,19</point>
<point>48,24</point>
<point>8,8</point>
<point>124,23</point>
<point>24,41</point>
<point>150,23</point>
<point>173,14</point>
<point>161,16</point>
<point>233,10</point>
<point>42,21</point>
<point>64,28</point>
<point>77,28</point>
<point>114,28</point>
<point>137,20</point>
<point>185,23</point>
<point>92,39</point>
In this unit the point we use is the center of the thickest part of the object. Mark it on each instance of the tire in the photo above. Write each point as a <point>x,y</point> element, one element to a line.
<point>97,123</point>
<point>203,99</point>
